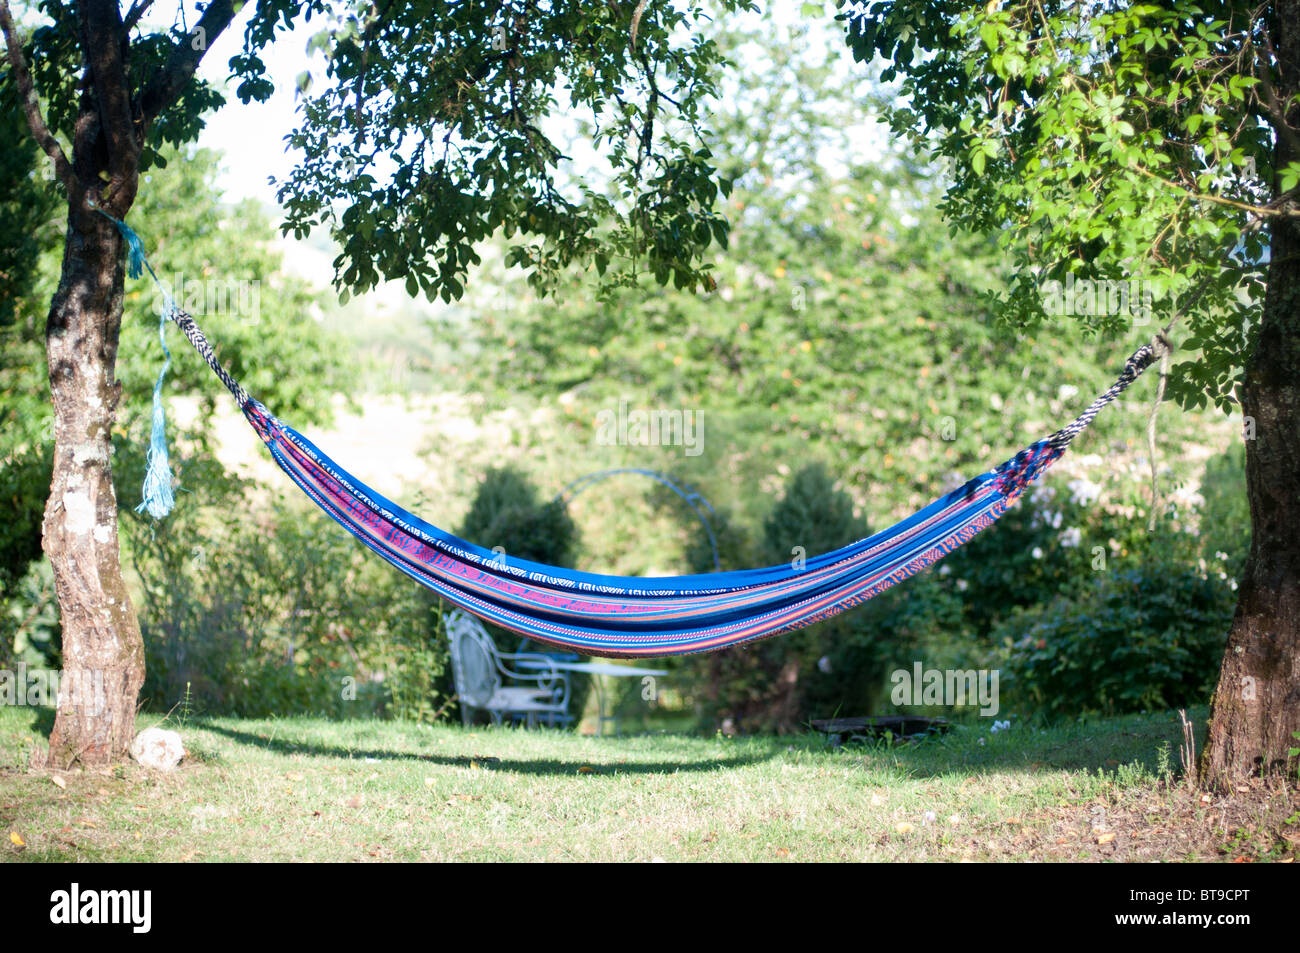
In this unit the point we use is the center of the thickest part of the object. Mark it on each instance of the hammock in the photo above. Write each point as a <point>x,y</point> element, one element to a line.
<point>630,617</point>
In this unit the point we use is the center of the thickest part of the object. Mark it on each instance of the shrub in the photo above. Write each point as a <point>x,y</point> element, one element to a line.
<point>1145,638</point>
<point>832,667</point>
<point>282,615</point>
<point>508,512</point>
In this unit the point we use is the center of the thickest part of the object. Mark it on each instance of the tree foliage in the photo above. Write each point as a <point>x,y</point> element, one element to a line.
<point>1112,141</point>
<point>441,124</point>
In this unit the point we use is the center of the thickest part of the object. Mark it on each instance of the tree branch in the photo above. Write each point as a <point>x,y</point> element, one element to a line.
<point>103,37</point>
<point>31,102</point>
<point>138,9</point>
<point>167,83</point>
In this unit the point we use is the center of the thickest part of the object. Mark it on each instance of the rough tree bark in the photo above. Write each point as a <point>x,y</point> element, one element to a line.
<point>103,652</point>
<point>1256,705</point>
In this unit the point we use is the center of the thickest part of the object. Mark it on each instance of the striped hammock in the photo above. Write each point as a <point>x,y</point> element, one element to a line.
<point>620,616</point>
<point>623,616</point>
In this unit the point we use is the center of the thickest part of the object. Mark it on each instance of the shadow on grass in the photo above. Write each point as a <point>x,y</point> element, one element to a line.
<point>43,722</point>
<point>534,766</point>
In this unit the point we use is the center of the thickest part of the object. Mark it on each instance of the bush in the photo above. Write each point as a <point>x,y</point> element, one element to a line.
<point>277,614</point>
<point>1225,517</point>
<point>508,512</point>
<point>1147,638</point>
<point>833,667</point>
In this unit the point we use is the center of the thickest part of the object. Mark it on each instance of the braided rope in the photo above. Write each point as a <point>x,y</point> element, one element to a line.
<point>1140,360</point>
<point>196,337</point>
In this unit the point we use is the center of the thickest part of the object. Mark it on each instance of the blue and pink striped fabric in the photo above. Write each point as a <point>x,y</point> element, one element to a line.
<point>636,617</point>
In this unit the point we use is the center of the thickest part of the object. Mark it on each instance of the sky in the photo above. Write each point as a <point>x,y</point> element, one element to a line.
<point>251,137</point>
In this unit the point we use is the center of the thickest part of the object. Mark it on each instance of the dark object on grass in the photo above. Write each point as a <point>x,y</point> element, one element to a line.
<point>870,727</point>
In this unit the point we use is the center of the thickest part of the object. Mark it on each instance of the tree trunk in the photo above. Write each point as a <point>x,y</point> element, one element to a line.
<point>1256,707</point>
<point>103,653</point>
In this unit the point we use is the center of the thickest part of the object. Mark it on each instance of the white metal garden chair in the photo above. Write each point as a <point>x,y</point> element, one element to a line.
<point>478,668</point>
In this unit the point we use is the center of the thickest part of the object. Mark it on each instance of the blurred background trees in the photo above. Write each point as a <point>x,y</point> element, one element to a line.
<point>848,369</point>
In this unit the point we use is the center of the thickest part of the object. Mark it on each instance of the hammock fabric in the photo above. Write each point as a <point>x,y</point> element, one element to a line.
<point>630,617</point>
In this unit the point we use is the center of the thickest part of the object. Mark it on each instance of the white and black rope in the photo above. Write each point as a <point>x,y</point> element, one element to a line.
<point>1140,360</point>
<point>196,338</point>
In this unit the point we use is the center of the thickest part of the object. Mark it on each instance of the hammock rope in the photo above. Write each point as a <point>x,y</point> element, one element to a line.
<point>638,617</point>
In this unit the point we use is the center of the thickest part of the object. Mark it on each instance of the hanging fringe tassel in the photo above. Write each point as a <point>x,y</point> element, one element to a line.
<point>157,497</point>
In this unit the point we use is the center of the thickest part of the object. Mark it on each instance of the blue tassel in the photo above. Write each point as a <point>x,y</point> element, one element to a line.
<point>136,262</point>
<point>157,494</point>
<point>158,499</point>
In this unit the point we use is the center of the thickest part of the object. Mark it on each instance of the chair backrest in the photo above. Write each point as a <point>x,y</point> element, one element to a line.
<point>473,660</point>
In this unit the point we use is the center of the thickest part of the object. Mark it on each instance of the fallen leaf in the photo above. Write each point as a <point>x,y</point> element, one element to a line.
<point>1106,838</point>
<point>586,769</point>
<point>103,792</point>
<point>904,827</point>
<point>293,777</point>
<point>782,852</point>
<point>59,783</point>
<point>16,840</point>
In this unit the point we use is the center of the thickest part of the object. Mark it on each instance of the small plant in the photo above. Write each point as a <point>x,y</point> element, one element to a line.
<point>1165,763</point>
<point>187,705</point>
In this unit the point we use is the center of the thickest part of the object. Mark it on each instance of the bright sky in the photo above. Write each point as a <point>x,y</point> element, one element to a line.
<point>251,137</point>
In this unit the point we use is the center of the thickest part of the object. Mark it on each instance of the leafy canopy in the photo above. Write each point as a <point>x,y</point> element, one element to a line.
<point>442,124</point>
<point>439,124</point>
<point>1106,140</point>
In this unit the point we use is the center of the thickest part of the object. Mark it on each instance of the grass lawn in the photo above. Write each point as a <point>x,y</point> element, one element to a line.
<point>307,789</point>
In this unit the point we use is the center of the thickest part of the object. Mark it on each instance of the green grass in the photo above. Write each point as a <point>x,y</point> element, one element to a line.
<point>308,789</point>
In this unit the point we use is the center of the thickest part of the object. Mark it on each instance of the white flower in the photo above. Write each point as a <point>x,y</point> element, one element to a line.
<point>1037,553</point>
<point>1066,392</point>
<point>1084,492</point>
<point>946,569</point>
<point>962,585</point>
<point>1042,494</point>
<point>824,664</point>
<point>1071,537</point>
<point>1091,460</point>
